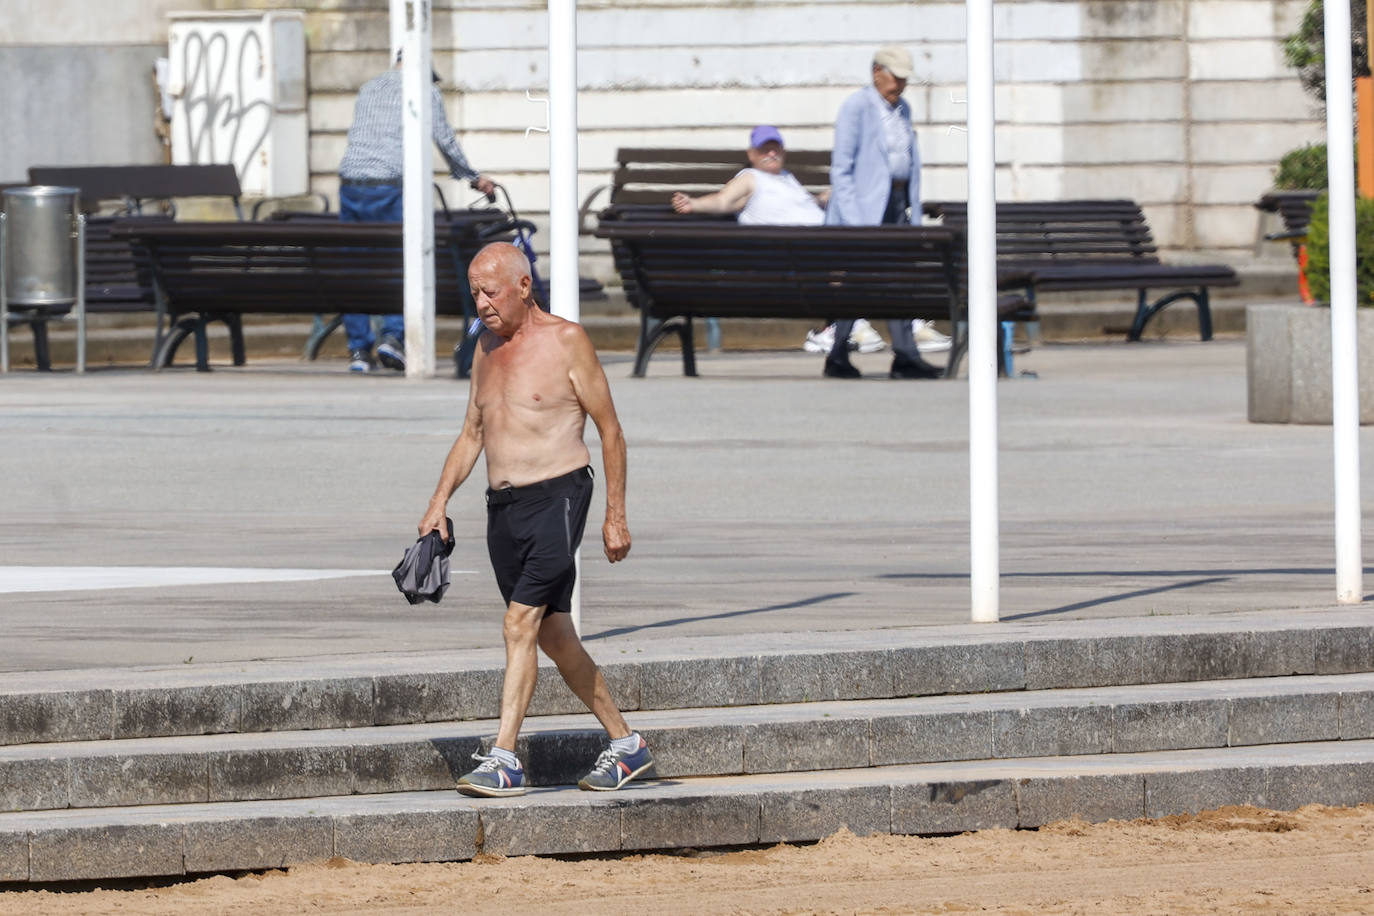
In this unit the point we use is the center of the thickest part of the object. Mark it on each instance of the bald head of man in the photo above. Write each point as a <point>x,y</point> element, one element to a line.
<point>502,287</point>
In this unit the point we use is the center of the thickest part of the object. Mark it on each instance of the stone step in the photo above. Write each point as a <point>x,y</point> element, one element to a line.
<point>664,814</point>
<point>761,669</point>
<point>745,740</point>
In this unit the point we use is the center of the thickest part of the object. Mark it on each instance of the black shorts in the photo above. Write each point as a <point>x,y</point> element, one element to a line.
<point>533,534</point>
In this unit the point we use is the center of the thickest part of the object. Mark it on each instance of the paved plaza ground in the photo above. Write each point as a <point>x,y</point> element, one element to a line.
<point>762,498</point>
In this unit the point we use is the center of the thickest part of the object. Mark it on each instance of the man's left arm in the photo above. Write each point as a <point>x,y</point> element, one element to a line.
<point>448,145</point>
<point>594,393</point>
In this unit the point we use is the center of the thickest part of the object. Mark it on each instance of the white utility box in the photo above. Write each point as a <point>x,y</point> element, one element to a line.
<point>238,87</point>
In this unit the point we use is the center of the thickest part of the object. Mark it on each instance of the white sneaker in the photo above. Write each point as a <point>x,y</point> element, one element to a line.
<point>864,338</point>
<point>928,340</point>
<point>820,341</point>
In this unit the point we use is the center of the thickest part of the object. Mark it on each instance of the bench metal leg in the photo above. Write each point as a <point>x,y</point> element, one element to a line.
<point>177,331</point>
<point>651,334</point>
<point>319,332</point>
<point>1144,312</point>
<point>202,345</point>
<point>42,353</point>
<point>234,323</point>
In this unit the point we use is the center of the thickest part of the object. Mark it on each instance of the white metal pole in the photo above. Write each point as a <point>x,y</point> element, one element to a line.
<point>563,291</point>
<point>563,284</point>
<point>1345,394</point>
<point>982,316</point>
<point>417,129</point>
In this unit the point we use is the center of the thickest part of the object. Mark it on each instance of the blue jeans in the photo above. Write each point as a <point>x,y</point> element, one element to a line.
<point>371,204</point>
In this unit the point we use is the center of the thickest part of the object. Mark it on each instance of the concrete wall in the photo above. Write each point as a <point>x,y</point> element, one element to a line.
<point>76,81</point>
<point>1184,105</point>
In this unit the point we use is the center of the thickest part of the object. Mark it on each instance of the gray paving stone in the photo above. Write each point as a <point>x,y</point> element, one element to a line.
<point>437,697</point>
<point>693,751</point>
<point>30,785</point>
<point>106,851</point>
<point>788,817</point>
<point>1043,799</point>
<point>141,779</point>
<point>692,682</point>
<point>1092,662</point>
<point>1052,731</point>
<point>411,766</point>
<point>78,715</point>
<point>560,758</point>
<point>805,678</point>
<point>552,696</point>
<point>304,772</point>
<point>953,807</point>
<point>701,820</point>
<point>14,856</point>
<point>1344,650</point>
<point>527,829</point>
<point>1357,715</point>
<point>818,744</point>
<point>315,703</point>
<point>189,710</point>
<point>1169,725</point>
<point>415,836</point>
<point>1282,719</point>
<point>259,842</point>
<point>1191,791</point>
<point>1292,787</point>
<point>973,668</point>
<point>1212,656</point>
<point>931,738</point>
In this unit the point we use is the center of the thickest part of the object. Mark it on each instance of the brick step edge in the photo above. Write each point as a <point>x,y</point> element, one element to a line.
<point>444,826</point>
<point>68,706</point>
<point>720,742</point>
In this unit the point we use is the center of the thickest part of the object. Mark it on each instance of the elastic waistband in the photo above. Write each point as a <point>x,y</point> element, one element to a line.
<point>511,494</point>
<point>370,182</point>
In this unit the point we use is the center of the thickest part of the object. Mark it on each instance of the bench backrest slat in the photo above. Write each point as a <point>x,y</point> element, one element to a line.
<point>141,182</point>
<point>647,175</point>
<point>1031,233</point>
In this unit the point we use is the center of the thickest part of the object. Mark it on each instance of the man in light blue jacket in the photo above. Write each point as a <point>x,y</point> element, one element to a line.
<point>875,179</point>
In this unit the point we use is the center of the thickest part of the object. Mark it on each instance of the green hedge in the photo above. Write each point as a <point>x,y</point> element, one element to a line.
<point>1319,251</point>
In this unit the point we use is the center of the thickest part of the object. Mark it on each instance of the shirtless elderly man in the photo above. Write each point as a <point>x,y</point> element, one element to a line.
<point>535,380</point>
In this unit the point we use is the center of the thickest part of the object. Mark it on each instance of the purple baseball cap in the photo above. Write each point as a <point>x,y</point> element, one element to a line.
<point>762,134</point>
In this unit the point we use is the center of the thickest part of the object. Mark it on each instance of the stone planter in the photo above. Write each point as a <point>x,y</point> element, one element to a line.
<point>1288,363</point>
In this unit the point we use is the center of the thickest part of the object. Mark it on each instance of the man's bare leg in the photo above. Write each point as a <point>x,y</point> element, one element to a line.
<point>521,630</point>
<point>560,642</point>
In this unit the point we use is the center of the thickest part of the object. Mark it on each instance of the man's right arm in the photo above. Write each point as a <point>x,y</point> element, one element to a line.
<point>729,199</point>
<point>843,189</point>
<point>457,466</point>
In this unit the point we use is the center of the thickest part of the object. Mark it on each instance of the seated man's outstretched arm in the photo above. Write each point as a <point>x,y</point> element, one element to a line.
<point>729,199</point>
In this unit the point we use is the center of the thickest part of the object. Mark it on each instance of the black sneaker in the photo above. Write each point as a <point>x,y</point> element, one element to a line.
<point>905,367</point>
<point>391,354</point>
<point>360,361</point>
<point>835,369</point>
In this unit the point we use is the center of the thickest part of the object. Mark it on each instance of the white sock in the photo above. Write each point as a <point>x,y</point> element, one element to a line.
<point>627,745</point>
<point>507,758</point>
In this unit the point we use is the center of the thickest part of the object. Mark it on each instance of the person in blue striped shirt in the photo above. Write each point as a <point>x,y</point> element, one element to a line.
<point>370,192</point>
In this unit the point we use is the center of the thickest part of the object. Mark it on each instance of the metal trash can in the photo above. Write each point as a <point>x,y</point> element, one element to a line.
<point>42,264</point>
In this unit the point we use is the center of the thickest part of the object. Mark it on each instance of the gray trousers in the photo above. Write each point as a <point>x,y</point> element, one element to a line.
<point>898,331</point>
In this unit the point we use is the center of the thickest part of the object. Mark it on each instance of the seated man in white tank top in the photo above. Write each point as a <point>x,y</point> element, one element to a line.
<point>766,194</point>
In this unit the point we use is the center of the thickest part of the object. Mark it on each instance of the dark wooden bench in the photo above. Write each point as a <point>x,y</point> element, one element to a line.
<point>113,282</point>
<point>220,271</point>
<point>675,269</point>
<point>1090,245</point>
<point>1294,209</point>
<point>650,175</point>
